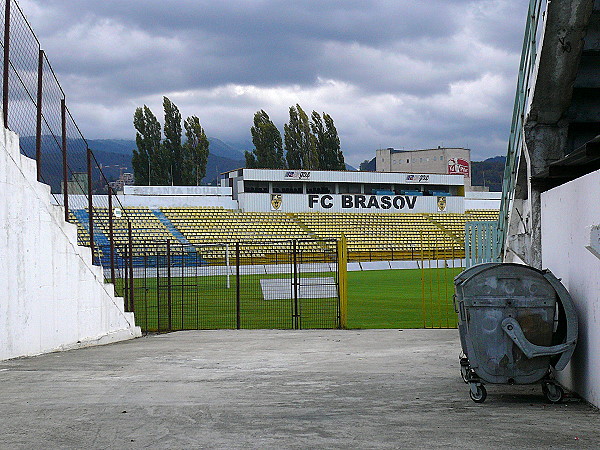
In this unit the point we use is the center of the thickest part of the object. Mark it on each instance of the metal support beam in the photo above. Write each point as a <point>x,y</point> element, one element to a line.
<point>63,117</point>
<point>38,122</point>
<point>90,202</point>
<point>111,236</point>
<point>131,285</point>
<point>6,62</point>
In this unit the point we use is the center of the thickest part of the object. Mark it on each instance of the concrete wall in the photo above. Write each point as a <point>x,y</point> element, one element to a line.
<point>162,201</point>
<point>567,212</point>
<point>482,200</point>
<point>52,298</point>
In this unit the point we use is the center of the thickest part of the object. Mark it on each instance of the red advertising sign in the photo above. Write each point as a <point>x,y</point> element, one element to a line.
<point>457,166</point>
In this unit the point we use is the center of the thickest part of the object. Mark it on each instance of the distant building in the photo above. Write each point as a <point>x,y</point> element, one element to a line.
<point>441,160</point>
<point>77,185</point>
<point>126,179</point>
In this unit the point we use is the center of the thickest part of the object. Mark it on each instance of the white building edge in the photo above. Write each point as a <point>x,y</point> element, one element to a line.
<point>264,190</point>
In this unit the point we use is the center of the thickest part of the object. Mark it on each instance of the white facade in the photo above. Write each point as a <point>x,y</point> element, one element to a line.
<point>439,160</point>
<point>325,176</point>
<point>482,200</point>
<point>350,203</point>
<point>162,197</point>
<point>568,212</point>
<point>53,298</point>
<point>264,190</point>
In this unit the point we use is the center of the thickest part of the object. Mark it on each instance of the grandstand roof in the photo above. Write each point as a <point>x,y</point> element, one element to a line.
<point>345,176</point>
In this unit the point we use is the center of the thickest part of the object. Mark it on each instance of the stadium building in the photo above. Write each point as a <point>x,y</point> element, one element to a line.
<point>263,190</point>
<point>441,160</point>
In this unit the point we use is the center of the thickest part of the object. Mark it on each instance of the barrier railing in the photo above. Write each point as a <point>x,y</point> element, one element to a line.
<point>522,96</point>
<point>293,284</point>
<point>34,106</point>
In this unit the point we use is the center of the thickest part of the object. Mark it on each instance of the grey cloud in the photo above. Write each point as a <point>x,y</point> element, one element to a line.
<point>117,54</point>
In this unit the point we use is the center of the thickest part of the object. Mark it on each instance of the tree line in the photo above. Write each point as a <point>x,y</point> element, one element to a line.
<point>309,144</point>
<point>168,161</point>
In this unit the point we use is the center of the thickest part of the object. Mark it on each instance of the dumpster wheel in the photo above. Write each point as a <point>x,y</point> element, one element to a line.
<point>553,392</point>
<point>478,393</point>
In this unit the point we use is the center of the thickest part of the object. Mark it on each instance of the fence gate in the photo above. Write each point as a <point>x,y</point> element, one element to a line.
<point>249,285</point>
<point>482,243</point>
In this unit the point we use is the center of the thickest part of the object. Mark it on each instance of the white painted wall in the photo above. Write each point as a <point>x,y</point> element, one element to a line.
<point>567,212</point>
<point>159,201</point>
<point>303,203</point>
<point>53,298</point>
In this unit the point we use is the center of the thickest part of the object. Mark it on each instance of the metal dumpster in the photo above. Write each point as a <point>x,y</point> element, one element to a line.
<point>517,325</point>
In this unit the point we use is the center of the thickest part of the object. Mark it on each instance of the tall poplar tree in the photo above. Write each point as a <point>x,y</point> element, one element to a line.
<point>268,147</point>
<point>299,141</point>
<point>147,139</point>
<point>172,142</point>
<point>168,162</point>
<point>195,152</point>
<point>332,146</point>
<point>327,142</point>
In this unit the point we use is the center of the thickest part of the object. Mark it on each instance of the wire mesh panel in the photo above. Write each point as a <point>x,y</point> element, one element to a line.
<point>34,107</point>
<point>249,285</point>
<point>317,284</point>
<point>441,260</point>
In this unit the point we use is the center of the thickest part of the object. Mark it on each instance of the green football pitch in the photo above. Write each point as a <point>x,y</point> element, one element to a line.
<point>408,298</point>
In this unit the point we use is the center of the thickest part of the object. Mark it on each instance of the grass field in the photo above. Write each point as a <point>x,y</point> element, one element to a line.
<point>399,299</point>
<point>376,299</point>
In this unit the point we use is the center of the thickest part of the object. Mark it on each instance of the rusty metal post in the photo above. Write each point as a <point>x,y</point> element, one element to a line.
<point>90,202</point>
<point>131,293</point>
<point>111,236</point>
<point>63,116</point>
<point>6,62</point>
<point>38,123</point>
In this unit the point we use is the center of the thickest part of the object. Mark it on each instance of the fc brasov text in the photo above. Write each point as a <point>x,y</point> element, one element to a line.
<point>361,201</point>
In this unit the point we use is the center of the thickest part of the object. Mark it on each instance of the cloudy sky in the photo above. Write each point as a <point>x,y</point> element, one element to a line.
<point>392,73</point>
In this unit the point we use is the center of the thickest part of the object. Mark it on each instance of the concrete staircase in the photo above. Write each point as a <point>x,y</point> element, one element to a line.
<point>54,298</point>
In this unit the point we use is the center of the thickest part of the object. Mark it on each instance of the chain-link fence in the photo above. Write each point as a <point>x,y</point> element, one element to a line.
<point>34,106</point>
<point>279,284</point>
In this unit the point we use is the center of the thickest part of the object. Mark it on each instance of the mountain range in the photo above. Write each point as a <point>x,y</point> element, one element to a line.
<point>222,156</point>
<point>114,156</point>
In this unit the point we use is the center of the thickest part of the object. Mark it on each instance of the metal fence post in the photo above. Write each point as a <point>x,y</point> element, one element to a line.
<point>90,202</point>
<point>63,115</point>
<point>238,315</point>
<point>38,123</point>
<point>111,236</point>
<point>131,286</point>
<point>342,260</point>
<point>169,297</point>
<point>295,285</point>
<point>6,63</point>
<point>125,274</point>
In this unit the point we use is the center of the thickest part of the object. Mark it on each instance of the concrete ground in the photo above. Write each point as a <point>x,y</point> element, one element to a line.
<point>276,389</point>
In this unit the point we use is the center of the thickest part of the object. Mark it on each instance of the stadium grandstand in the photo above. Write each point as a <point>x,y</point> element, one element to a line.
<point>370,236</point>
